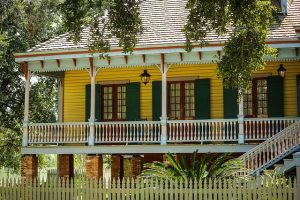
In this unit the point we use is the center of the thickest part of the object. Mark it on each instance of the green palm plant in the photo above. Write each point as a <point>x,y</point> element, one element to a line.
<point>207,166</point>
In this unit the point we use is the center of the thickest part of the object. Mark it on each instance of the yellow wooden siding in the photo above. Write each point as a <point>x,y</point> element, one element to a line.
<point>75,81</point>
<point>290,89</point>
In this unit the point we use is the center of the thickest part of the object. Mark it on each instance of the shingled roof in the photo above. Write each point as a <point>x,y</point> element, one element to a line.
<point>163,21</point>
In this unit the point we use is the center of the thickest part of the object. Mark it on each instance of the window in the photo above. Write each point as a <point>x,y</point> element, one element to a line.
<point>255,100</point>
<point>114,102</point>
<point>181,100</point>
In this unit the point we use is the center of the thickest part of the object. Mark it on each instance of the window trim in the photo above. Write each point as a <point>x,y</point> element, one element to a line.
<point>254,98</point>
<point>114,102</point>
<point>182,98</point>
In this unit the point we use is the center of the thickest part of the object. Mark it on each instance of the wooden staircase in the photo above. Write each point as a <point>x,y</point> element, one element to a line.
<point>274,149</point>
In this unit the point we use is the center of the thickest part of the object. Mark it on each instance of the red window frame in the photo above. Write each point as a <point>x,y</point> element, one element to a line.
<point>182,99</point>
<point>114,102</point>
<point>255,98</point>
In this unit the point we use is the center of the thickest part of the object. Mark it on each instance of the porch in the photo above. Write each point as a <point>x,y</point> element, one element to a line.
<point>229,131</point>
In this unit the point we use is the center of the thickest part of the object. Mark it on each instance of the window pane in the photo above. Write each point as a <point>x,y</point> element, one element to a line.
<point>261,97</point>
<point>189,100</point>
<point>248,102</point>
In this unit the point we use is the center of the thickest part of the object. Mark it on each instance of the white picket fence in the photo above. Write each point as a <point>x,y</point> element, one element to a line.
<point>219,189</point>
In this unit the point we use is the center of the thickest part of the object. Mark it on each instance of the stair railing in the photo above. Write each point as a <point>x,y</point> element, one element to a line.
<point>272,149</point>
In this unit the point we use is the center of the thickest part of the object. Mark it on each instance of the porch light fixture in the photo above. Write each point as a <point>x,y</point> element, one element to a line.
<point>145,77</point>
<point>281,71</point>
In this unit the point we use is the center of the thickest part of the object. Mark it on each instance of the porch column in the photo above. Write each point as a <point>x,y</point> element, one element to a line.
<point>117,170</point>
<point>93,73</point>
<point>94,166</point>
<point>26,106</point>
<point>60,99</point>
<point>164,117</point>
<point>29,167</point>
<point>65,166</point>
<point>241,137</point>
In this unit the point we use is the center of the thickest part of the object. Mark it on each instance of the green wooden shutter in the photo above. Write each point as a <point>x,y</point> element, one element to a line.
<point>133,101</point>
<point>87,101</point>
<point>202,99</point>
<point>156,100</point>
<point>275,96</point>
<point>298,94</point>
<point>230,103</point>
<point>97,102</point>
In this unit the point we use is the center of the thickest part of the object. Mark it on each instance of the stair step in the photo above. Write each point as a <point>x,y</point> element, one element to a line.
<point>287,161</point>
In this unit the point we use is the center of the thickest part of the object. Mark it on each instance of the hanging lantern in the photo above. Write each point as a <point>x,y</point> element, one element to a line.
<point>281,71</point>
<point>145,77</point>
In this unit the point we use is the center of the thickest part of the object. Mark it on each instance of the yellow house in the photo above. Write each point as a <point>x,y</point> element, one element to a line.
<point>104,108</point>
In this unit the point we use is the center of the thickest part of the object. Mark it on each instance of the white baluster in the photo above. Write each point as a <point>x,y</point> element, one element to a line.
<point>178,132</point>
<point>208,131</point>
<point>107,132</point>
<point>149,132</point>
<point>201,129</point>
<point>103,133</point>
<point>232,132</point>
<point>195,131</point>
<point>112,129</point>
<point>250,129</point>
<point>157,132</point>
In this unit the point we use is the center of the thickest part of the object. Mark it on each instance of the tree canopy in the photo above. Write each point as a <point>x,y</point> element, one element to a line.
<point>246,22</point>
<point>23,24</point>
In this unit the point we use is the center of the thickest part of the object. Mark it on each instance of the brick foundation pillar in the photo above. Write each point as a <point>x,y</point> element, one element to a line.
<point>137,165</point>
<point>94,166</point>
<point>65,166</point>
<point>29,166</point>
<point>116,166</point>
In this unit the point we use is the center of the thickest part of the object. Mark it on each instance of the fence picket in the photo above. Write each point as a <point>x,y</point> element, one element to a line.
<point>149,189</point>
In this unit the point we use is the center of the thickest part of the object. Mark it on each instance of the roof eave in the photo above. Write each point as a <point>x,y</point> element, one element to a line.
<point>145,49</point>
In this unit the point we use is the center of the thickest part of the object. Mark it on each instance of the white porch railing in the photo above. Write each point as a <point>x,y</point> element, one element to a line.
<point>58,132</point>
<point>264,128</point>
<point>202,130</point>
<point>178,131</point>
<point>285,141</point>
<point>128,132</point>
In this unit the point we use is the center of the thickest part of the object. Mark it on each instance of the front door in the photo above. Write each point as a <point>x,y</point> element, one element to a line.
<point>256,101</point>
<point>113,102</point>
<point>181,100</point>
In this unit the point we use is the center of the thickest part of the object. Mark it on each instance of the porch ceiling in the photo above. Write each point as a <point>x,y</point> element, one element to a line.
<point>139,149</point>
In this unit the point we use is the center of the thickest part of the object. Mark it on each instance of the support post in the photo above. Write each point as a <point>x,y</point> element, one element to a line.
<point>65,166</point>
<point>29,167</point>
<point>91,140</point>
<point>241,136</point>
<point>117,170</point>
<point>164,117</point>
<point>94,166</point>
<point>26,106</point>
<point>60,99</point>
